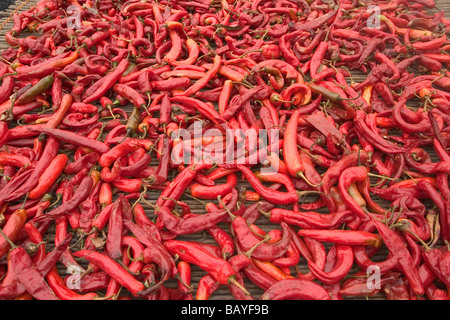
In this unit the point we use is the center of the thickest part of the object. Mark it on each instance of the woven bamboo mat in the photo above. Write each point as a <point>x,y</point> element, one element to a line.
<point>197,207</point>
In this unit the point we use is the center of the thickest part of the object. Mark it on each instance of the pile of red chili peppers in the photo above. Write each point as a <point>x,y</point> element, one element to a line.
<point>94,204</point>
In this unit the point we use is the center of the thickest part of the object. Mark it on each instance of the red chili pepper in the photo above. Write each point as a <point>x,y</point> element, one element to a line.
<point>49,176</point>
<point>130,94</point>
<point>288,289</point>
<point>372,138</point>
<point>85,161</point>
<point>194,224</point>
<point>14,160</point>
<point>113,245</point>
<point>108,158</point>
<point>346,237</point>
<point>11,229</point>
<point>110,175</point>
<point>29,276</point>
<point>36,238</point>
<point>220,269</point>
<point>212,192</point>
<point>310,219</point>
<point>343,265</point>
<point>441,205</point>
<point>276,197</point>
<point>290,150</point>
<point>76,139</point>
<point>347,178</point>
<point>113,269</point>
<point>397,248</point>
<point>204,109</point>
<point>79,196</point>
<point>249,242</point>
<point>99,88</point>
<point>48,66</point>
<point>201,83</point>
<point>154,252</point>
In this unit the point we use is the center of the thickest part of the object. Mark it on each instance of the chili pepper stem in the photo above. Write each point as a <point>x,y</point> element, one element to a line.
<point>128,269</point>
<point>149,204</point>
<point>250,251</point>
<point>302,175</point>
<point>303,193</point>
<point>8,239</point>
<point>381,176</point>
<point>388,222</point>
<point>378,183</point>
<point>179,278</point>
<point>25,200</point>
<point>232,216</point>
<point>196,199</point>
<point>265,213</point>
<point>402,226</point>
<point>58,197</point>
<point>6,177</point>
<point>93,230</point>
<point>105,297</point>
<point>447,244</point>
<point>232,280</point>
<point>82,235</point>
<point>33,247</point>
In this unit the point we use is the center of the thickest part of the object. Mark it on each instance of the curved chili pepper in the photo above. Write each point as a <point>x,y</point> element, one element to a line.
<point>260,251</point>
<point>347,178</point>
<point>111,174</point>
<point>133,169</point>
<point>440,203</point>
<point>202,108</point>
<point>150,237</point>
<point>56,283</point>
<point>371,137</point>
<point>276,197</point>
<point>113,269</point>
<point>100,87</point>
<point>422,126</point>
<point>194,224</point>
<point>295,289</point>
<point>342,267</point>
<point>85,161</point>
<point>212,192</point>
<point>108,158</point>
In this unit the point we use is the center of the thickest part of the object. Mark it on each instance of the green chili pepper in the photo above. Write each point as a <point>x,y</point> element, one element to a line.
<point>40,87</point>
